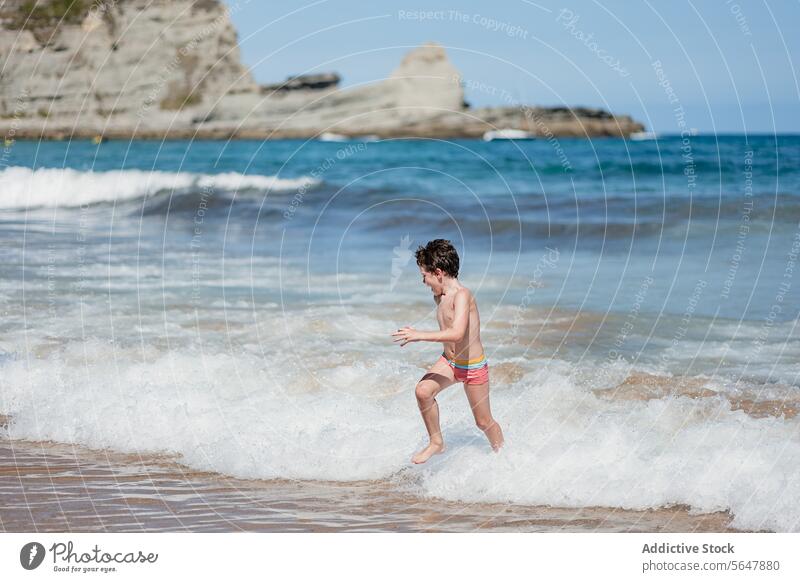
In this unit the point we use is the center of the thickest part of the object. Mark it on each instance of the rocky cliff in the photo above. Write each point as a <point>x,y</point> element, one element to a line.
<point>171,68</point>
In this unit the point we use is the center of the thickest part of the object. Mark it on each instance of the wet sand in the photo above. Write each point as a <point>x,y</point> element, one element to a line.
<point>642,386</point>
<point>47,487</point>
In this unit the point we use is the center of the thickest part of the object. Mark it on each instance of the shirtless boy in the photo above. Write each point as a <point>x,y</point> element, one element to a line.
<point>463,359</point>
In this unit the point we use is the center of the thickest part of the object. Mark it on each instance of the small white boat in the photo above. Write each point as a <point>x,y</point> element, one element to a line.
<point>330,136</point>
<point>497,134</point>
<point>642,135</point>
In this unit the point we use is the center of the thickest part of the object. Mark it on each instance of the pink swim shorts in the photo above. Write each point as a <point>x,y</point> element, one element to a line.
<point>469,371</point>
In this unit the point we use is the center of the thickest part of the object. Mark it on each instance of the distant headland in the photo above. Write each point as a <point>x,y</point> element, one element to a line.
<point>171,69</point>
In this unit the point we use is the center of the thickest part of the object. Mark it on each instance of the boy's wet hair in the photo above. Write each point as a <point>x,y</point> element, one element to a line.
<point>438,254</point>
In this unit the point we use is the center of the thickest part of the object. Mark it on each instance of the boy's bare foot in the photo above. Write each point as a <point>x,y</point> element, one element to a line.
<point>427,453</point>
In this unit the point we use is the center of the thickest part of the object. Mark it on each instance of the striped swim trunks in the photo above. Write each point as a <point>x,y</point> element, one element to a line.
<point>469,371</point>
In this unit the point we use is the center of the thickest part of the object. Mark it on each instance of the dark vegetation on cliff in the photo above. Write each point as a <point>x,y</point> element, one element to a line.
<point>42,17</point>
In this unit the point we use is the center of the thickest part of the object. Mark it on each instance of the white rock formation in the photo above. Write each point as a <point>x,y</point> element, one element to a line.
<point>155,68</point>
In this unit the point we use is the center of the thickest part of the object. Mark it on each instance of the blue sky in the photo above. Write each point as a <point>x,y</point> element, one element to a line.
<point>730,65</point>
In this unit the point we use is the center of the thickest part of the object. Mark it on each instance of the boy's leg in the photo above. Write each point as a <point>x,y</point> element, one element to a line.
<point>439,377</point>
<point>478,396</point>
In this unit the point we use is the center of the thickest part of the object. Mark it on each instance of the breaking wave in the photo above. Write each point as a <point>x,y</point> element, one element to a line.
<point>64,187</point>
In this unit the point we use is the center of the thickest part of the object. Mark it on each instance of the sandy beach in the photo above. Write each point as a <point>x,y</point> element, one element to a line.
<point>47,487</point>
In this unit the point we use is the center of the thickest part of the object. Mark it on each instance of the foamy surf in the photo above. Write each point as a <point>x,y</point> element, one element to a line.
<point>56,187</point>
<point>284,416</point>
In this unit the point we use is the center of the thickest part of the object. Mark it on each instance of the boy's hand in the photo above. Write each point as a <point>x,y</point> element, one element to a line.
<point>406,335</point>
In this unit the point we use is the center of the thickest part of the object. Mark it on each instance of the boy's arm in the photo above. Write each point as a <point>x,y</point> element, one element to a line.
<point>451,334</point>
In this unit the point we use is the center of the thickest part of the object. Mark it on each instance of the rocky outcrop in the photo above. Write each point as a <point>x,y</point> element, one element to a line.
<point>304,82</point>
<point>424,86</point>
<point>118,67</point>
<point>171,68</point>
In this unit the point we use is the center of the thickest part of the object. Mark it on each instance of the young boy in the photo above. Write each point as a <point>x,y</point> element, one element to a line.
<point>463,359</point>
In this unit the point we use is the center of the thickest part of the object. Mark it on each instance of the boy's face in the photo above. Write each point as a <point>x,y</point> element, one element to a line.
<point>432,280</point>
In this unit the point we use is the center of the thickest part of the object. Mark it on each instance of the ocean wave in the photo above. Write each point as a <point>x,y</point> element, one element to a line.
<point>593,216</point>
<point>669,207</point>
<point>240,415</point>
<point>65,187</point>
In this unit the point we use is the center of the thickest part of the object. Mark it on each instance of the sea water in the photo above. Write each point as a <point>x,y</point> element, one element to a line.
<point>232,303</point>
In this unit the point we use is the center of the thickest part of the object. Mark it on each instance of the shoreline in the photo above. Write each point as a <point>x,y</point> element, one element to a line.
<point>238,134</point>
<point>52,487</point>
<point>219,136</point>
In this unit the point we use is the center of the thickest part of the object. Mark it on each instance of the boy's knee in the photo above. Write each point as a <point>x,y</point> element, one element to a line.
<point>484,423</point>
<point>423,392</point>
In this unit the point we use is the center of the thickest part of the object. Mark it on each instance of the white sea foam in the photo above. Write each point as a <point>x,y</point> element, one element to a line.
<point>26,188</point>
<point>269,413</point>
